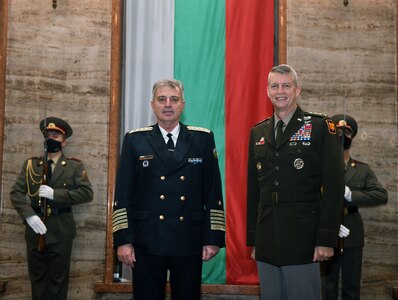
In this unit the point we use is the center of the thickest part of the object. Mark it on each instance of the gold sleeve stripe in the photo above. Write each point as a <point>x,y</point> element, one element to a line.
<point>217,219</point>
<point>119,220</point>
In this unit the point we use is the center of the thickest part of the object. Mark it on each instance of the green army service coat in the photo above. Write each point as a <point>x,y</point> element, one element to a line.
<point>294,191</point>
<point>71,186</point>
<point>366,191</point>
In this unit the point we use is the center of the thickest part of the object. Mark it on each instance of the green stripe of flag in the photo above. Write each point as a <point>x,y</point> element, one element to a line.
<point>199,61</point>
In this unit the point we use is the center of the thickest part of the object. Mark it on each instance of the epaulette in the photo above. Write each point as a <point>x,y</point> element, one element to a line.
<point>73,158</point>
<point>354,162</point>
<point>315,114</point>
<point>36,157</point>
<point>141,129</point>
<point>195,128</point>
<point>267,119</point>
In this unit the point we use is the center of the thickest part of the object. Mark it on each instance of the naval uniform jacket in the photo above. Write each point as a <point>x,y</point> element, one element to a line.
<point>366,191</point>
<point>71,186</point>
<point>294,191</point>
<point>169,204</point>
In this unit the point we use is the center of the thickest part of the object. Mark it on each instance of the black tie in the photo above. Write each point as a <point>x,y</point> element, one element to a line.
<point>49,169</point>
<point>170,143</point>
<point>279,132</point>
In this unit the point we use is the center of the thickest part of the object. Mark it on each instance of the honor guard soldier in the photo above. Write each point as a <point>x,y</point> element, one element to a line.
<point>295,178</point>
<point>53,183</point>
<point>361,189</point>
<point>168,209</point>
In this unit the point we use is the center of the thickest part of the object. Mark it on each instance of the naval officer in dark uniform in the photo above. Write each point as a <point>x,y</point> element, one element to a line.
<point>168,208</point>
<point>295,181</point>
<point>361,189</point>
<point>67,185</point>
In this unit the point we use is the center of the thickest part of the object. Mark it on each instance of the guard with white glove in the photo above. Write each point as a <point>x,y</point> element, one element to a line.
<point>36,224</point>
<point>347,194</point>
<point>46,192</point>
<point>344,231</point>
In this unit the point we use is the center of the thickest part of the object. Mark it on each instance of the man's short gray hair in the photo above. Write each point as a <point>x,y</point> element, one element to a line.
<point>285,69</point>
<point>173,83</point>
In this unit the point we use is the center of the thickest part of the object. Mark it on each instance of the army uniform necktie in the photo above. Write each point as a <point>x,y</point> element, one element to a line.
<point>49,169</point>
<point>279,133</point>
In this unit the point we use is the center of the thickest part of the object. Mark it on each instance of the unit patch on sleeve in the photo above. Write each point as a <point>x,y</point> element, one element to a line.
<point>331,126</point>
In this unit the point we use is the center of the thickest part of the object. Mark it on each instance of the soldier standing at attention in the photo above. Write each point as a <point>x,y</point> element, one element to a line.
<point>295,183</point>
<point>168,209</point>
<point>67,184</point>
<point>361,189</point>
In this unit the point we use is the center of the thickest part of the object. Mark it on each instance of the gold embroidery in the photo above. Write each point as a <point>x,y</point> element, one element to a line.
<point>30,174</point>
<point>119,220</point>
<point>217,219</point>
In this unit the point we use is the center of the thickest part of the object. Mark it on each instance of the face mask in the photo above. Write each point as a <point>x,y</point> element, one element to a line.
<point>53,146</point>
<point>345,141</point>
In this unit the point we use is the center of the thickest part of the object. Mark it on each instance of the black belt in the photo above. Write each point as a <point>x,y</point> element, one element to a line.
<point>349,210</point>
<point>53,210</point>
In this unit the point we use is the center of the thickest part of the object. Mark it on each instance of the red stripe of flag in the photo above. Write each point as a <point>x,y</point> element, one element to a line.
<point>249,57</point>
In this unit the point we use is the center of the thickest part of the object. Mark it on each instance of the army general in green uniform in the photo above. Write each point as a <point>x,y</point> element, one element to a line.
<point>168,209</point>
<point>65,184</point>
<point>294,193</point>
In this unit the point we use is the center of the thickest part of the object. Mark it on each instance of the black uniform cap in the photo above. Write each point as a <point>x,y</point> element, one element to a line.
<point>56,124</point>
<point>342,120</point>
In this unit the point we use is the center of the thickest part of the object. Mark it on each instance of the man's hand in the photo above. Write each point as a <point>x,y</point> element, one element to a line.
<point>36,224</point>
<point>253,255</point>
<point>209,252</point>
<point>46,192</point>
<point>126,254</point>
<point>322,253</point>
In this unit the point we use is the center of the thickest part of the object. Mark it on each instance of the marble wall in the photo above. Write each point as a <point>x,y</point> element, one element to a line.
<point>58,61</point>
<point>58,64</point>
<point>346,59</point>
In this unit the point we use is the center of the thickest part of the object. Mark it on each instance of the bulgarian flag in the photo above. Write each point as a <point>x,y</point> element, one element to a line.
<point>222,50</point>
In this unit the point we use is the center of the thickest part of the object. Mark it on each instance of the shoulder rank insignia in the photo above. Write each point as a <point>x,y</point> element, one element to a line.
<point>195,128</point>
<point>331,126</point>
<point>267,119</point>
<point>315,114</point>
<point>71,158</point>
<point>141,129</point>
<point>355,162</point>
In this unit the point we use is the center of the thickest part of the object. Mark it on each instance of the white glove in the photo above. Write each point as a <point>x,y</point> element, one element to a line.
<point>344,231</point>
<point>46,192</point>
<point>37,224</point>
<point>347,194</point>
